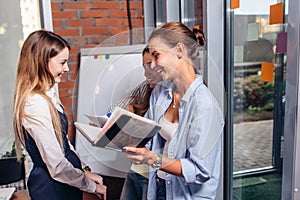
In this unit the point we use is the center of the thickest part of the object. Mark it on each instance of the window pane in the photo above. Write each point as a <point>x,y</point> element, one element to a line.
<point>258,95</point>
<point>14,28</point>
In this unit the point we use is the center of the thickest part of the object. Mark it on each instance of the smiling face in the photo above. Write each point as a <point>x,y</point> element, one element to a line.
<point>164,59</point>
<point>151,75</point>
<point>58,64</point>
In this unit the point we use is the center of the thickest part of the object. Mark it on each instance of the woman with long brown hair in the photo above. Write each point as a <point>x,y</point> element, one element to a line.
<point>41,125</point>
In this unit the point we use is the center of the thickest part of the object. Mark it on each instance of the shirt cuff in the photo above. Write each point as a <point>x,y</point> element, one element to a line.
<point>193,174</point>
<point>91,186</point>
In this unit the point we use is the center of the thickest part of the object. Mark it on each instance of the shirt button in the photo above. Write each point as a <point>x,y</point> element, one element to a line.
<point>168,182</point>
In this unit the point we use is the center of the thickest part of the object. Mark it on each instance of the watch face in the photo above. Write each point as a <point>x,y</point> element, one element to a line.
<point>157,164</point>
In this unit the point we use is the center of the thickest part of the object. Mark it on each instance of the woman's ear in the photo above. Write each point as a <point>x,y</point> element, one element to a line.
<point>179,50</point>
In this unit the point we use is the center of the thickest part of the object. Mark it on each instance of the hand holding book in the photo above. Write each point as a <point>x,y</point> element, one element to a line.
<point>123,128</point>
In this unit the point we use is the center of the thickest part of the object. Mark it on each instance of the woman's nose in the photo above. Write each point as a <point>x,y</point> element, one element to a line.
<point>66,67</point>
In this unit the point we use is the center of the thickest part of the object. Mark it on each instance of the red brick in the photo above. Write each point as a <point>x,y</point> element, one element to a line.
<point>73,58</point>
<point>94,31</point>
<point>77,5</point>
<point>107,5</point>
<point>118,13</point>
<point>74,49</point>
<point>73,67</point>
<point>66,100</point>
<point>63,93</point>
<point>93,13</point>
<point>133,5</point>
<point>64,14</point>
<point>73,76</point>
<point>54,6</point>
<point>108,22</point>
<point>115,31</point>
<point>67,32</point>
<point>93,40</point>
<point>137,5</point>
<point>69,84</point>
<point>81,22</point>
<point>135,23</point>
<point>56,23</point>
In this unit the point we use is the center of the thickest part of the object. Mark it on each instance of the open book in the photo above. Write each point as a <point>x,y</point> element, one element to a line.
<point>98,120</point>
<point>123,128</point>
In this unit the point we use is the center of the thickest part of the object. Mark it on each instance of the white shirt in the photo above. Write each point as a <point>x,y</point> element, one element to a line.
<point>167,131</point>
<point>39,125</point>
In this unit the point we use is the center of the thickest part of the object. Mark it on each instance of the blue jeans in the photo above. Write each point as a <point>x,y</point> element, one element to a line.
<point>160,189</point>
<point>135,187</point>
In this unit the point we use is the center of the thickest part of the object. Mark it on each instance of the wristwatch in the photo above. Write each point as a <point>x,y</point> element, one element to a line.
<point>157,164</point>
<point>86,169</point>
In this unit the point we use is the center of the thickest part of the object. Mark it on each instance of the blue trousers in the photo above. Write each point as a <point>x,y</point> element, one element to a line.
<point>135,187</point>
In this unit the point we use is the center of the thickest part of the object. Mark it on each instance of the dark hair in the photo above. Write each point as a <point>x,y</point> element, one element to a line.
<point>140,105</point>
<point>146,50</point>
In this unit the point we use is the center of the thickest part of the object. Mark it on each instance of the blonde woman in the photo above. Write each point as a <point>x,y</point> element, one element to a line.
<point>185,155</point>
<point>41,125</point>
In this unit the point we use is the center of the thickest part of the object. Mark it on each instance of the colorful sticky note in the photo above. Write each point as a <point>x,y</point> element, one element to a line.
<point>267,72</point>
<point>281,43</point>
<point>276,13</point>
<point>197,27</point>
<point>234,4</point>
<point>252,32</point>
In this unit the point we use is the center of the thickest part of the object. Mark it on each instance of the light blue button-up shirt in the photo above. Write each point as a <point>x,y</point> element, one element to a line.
<point>196,142</point>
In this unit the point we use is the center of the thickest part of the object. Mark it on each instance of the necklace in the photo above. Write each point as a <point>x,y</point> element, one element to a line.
<point>174,100</point>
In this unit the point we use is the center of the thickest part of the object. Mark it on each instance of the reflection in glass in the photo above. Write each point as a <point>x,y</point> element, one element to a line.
<point>258,104</point>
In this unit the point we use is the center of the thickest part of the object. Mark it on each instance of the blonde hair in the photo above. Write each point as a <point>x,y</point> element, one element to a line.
<point>33,77</point>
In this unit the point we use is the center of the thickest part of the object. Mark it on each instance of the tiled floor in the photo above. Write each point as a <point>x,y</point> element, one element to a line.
<point>252,145</point>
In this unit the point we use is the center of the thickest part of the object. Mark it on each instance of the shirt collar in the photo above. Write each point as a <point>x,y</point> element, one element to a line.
<point>169,87</point>
<point>52,94</point>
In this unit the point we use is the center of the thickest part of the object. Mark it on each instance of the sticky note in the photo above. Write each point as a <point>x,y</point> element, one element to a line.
<point>197,27</point>
<point>281,43</point>
<point>276,13</point>
<point>234,4</point>
<point>252,32</point>
<point>238,54</point>
<point>267,72</point>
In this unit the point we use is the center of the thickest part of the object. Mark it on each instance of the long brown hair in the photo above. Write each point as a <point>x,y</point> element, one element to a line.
<point>33,77</point>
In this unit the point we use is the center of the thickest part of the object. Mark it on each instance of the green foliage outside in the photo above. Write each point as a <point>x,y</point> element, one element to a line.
<point>252,95</point>
<point>12,153</point>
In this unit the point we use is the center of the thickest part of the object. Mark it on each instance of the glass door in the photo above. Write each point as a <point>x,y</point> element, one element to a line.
<point>258,96</point>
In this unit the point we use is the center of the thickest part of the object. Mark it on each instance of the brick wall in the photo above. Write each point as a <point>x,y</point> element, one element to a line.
<point>87,23</point>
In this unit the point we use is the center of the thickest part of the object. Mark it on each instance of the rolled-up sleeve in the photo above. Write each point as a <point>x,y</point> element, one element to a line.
<point>38,124</point>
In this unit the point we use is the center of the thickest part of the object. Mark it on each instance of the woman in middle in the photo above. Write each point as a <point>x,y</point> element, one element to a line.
<point>186,153</point>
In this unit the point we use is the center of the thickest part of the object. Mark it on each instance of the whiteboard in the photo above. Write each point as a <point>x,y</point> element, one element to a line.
<point>105,75</point>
